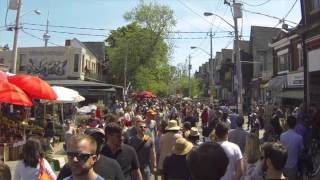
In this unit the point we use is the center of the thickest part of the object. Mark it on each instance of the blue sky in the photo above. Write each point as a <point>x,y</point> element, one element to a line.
<point>107,14</point>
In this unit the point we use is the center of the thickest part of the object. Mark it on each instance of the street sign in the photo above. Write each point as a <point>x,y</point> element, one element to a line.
<point>213,92</point>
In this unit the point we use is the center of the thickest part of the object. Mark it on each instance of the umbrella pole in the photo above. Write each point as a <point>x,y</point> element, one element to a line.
<point>62,117</point>
<point>44,110</point>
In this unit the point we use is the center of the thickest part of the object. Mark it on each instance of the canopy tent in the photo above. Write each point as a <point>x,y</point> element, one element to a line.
<point>87,109</point>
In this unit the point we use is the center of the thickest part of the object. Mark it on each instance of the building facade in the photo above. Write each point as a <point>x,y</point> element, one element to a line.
<point>73,63</point>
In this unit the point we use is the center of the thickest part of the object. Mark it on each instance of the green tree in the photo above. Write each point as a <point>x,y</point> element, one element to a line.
<point>181,85</point>
<point>142,43</point>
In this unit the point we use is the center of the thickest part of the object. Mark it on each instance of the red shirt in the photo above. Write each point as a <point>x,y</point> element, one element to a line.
<point>204,116</point>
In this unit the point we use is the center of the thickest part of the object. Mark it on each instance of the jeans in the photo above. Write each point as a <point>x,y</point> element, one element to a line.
<point>146,172</point>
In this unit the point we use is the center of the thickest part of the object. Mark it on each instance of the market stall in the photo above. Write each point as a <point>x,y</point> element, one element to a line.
<point>16,94</point>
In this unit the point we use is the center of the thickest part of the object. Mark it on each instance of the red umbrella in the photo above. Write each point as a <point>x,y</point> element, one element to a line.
<point>9,93</point>
<point>146,94</point>
<point>33,86</point>
<point>6,86</point>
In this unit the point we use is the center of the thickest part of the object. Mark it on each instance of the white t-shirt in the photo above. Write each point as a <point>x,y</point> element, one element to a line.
<point>234,154</point>
<point>30,173</point>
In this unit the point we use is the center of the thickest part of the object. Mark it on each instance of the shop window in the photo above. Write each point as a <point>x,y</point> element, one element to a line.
<point>76,63</point>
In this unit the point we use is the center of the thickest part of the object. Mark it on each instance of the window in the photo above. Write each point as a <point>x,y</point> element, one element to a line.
<point>315,5</point>
<point>283,62</point>
<point>22,58</point>
<point>76,63</point>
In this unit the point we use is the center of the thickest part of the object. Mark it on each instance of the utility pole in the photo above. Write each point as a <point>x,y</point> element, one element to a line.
<point>125,78</point>
<point>237,56</point>
<point>189,68</point>
<point>211,68</point>
<point>15,40</point>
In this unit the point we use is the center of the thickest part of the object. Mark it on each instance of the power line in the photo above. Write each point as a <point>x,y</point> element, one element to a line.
<point>256,5</point>
<point>103,29</point>
<point>38,37</point>
<point>70,27</point>
<point>273,17</point>
<point>195,32</point>
<point>100,35</point>
<point>190,9</point>
<point>64,32</point>
<point>287,14</point>
<point>294,4</point>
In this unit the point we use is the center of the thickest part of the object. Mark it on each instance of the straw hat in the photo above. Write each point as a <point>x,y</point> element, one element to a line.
<point>194,132</point>
<point>173,125</point>
<point>182,147</point>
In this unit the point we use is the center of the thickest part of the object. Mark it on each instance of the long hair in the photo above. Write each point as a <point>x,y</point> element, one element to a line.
<point>252,148</point>
<point>32,152</point>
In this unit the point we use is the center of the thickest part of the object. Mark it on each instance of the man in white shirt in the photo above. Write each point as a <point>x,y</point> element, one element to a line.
<point>235,167</point>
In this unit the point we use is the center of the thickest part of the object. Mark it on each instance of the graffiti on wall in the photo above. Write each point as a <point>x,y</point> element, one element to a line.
<point>46,68</point>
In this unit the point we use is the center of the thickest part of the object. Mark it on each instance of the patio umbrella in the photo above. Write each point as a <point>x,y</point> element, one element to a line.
<point>66,95</point>
<point>9,93</point>
<point>33,86</point>
<point>146,94</point>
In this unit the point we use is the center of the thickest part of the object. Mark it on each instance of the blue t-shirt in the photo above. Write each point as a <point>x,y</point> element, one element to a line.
<point>97,178</point>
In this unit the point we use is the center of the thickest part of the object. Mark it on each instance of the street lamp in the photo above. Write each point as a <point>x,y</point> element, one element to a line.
<point>236,14</point>
<point>210,66</point>
<point>36,11</point>
<point>195,47</point>
<point>210,63</point>
<point>16,34</point>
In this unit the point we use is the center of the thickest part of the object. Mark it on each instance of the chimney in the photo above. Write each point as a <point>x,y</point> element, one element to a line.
<point>68,42</point>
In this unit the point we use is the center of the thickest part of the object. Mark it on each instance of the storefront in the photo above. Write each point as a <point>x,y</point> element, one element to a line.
<point>314,70</point>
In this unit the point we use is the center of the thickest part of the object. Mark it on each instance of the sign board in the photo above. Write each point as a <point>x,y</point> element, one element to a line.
<point>295,79</point>
<point>213,92</point>
<point>314,60</point>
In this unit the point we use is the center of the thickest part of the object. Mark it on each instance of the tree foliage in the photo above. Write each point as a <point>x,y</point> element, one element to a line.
<point>142,45</point>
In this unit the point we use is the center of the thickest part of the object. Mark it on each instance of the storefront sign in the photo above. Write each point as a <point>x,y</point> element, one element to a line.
<point>314,60</point>
<point>295,79</point>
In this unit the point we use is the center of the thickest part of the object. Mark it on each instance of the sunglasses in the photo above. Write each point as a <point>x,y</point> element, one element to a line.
<point>80,156</point>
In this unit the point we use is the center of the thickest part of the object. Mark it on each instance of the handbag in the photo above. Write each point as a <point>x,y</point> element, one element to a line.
<point>43,174</point>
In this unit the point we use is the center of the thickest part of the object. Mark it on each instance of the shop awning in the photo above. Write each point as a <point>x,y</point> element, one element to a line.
<point>292,94</point>
<point>277,82</point>
<point>80,83</point>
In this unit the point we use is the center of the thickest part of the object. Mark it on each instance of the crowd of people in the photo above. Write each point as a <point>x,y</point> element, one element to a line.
<point>171,140</point>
